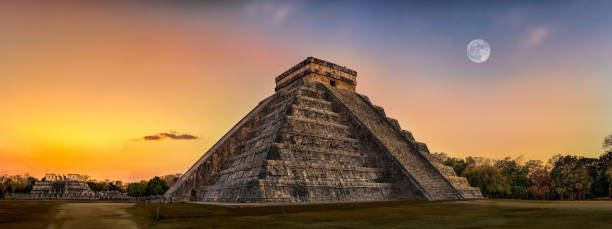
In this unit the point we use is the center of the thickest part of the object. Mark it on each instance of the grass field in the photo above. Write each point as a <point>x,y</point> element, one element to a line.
<point>462,214</point>
<point>27,214</point>
<point>408,214</point>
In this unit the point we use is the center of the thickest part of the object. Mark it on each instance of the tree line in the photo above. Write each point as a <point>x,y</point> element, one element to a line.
<point>152,187</point>
<point>564,177</point>
<point>16,184</point>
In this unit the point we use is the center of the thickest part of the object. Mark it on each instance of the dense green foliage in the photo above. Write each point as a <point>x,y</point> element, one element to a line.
<point>607,143</point>
<point>566,177</point>
<point>156,186</point>
<point>137,189</point>
<point>153,187</point>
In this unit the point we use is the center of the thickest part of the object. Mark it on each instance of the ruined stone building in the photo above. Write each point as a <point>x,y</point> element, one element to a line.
<point>65,187</point>
<point>317,140</point>
<point>55,186</point>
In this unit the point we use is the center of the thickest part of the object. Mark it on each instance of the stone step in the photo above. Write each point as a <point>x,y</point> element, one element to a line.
<point>258,154</point>
<point>314,113</point>
<point>247,153</point>
<point>297,155</point>
<point>319,136</point>
<point>314,103</point>
<point>311,92</point>
<point>337,184</point>
<point>394,142</point>
<point>273,116</point>
<point>293,139</point>
<point>313,126</point>
<point>331,177</point>
<point>232,183</point>
<point>243,168</point>
<point>261,140</point>
<point>282,104</point>
<point>321,165</point>
<point>323,151</point>
<point>264,128</point>
<point>314,169</point>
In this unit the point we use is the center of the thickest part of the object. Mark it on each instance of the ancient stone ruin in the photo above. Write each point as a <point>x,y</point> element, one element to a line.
<point>60,186</point>
<point>65,187</point>
<point>317,140</point>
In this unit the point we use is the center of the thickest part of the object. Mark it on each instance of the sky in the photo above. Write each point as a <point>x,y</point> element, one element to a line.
<point>131,90</point>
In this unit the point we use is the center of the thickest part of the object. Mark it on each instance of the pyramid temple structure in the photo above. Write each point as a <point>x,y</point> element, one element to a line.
<point>317,140</point>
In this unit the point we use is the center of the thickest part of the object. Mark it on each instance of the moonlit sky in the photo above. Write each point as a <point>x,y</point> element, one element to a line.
<point>81,82</point>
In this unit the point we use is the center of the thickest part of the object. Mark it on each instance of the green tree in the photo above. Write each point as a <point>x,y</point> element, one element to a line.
<point>2,186</point>
<point>111,186</point>
<point>517,175</point>
<point>156,186</point>
<point>604,179</point>
<point>607,143</point>
<point>459,165</point>
<point>570,177</point>
<point>539,180</point>
<point>489,179</point>
<point>137,189</point>
<point>96,186</point>
<point>18,183</point>
<point>609,174</point>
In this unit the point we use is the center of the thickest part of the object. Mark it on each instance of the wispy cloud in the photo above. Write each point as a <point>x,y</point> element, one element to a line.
<point>274,12</point>
<point>536,35</point>
<point>173,135</point>
<point>280,13</point>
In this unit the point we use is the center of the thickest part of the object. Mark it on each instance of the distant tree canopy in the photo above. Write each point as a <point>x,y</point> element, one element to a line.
<point>105,185</point>
<point>16,184</point>
<point>137,189</point>
<point>607,143</point>
<point>155,186</point>
<point>459,165</point>
<point>571,178</point>
<point>489,179</point>
<point>567,177</point>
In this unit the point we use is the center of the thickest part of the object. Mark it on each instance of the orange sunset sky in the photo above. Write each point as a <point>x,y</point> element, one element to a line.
<point>82,84</point>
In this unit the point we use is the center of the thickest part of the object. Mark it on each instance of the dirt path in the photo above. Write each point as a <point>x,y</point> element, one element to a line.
<point>93,215</point>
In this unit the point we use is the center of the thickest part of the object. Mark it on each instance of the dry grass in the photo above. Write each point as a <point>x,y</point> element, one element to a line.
<point>399,214</point>
<point>462,214</point>
<point>27,214</point>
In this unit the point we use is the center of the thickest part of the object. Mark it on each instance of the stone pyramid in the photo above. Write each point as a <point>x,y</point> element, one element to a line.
<point>317,140</point>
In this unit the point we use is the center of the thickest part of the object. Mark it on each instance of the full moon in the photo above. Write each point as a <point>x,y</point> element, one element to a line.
<point>478,51</point>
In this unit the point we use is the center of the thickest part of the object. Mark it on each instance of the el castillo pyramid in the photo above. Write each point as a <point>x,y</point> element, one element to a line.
<point>317,140</point>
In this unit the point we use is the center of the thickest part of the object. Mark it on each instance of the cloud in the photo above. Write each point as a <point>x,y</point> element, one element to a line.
<point>536,36</point>
<point>281,13</point>
<point>269,11</point>
<point>169,135</point>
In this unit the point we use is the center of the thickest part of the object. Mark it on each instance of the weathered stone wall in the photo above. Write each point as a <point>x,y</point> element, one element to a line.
<point>202,173</point>
<point>423,173</point>
<point>102,195</point>
<point>318,70</point>
<point>65,187</point>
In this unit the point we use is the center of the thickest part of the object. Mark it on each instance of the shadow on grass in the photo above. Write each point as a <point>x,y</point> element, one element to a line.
<point>397,214</point>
